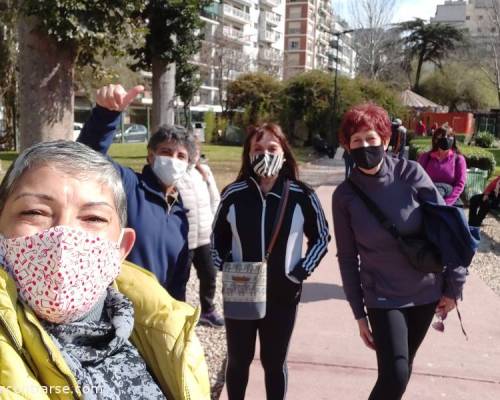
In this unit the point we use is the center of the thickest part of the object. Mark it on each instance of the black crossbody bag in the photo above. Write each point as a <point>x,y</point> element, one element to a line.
<point>421,253</point>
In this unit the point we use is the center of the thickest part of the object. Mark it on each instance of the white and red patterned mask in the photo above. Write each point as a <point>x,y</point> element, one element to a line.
<point>61,272</point>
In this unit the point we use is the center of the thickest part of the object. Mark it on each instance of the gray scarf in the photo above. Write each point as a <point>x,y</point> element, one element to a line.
<point>98,351</point>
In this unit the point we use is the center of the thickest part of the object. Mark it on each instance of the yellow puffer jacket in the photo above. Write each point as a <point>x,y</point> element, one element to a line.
<point>32,367</point>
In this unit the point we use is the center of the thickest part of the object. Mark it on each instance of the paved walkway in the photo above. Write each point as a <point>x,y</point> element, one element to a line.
<point>327,360</point>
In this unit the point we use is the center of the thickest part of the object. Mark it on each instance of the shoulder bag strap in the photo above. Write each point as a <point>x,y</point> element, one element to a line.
<point>279,217</point>
<point>375,210</point>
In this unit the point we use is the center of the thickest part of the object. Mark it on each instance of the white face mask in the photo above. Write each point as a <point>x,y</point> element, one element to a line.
<point>169,169</point>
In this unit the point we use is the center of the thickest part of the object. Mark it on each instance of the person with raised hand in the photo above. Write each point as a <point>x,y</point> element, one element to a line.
<point>155,208</point>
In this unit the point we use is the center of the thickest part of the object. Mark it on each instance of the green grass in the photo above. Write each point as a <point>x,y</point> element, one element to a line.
<point>6,158</point>
<point>225,161</point>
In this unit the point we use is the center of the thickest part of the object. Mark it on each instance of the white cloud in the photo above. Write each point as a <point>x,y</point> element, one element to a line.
<point>410,9</point>
<point>406,10</point>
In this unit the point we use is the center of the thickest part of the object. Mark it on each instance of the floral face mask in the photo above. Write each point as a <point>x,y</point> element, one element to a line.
<point>61,272</point>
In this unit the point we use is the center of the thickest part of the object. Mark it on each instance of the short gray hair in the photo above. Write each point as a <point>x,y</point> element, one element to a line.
<point>177,134</point>
<point>69,157</point>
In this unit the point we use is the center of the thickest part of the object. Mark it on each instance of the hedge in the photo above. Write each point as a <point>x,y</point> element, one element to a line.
<point>496,154</point>
<point>475,157</point>
<point>461,138</point>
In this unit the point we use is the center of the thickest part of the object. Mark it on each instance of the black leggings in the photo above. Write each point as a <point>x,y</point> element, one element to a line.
<point>478,209</point>
<point>207,275</point>
<point>275,330</point>
<point>398,334</point>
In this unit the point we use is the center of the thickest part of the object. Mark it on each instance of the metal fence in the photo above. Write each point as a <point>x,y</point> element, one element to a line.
<point>476,181</point>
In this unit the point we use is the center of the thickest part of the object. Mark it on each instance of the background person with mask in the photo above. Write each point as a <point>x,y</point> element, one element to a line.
<point>243,228</point>
<point>446,166</point>
<point>378,279</point>
<point>201,197</point>
<point>155,209</point>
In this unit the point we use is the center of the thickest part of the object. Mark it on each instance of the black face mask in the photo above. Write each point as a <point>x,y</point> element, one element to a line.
<point>368,157</point>
<point>445,143</point>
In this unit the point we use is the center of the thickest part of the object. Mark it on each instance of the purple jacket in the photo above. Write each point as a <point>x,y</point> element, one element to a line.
<point>451,170</point>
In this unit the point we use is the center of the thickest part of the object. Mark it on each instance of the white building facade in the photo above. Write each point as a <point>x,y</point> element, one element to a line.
<point>240,36</point>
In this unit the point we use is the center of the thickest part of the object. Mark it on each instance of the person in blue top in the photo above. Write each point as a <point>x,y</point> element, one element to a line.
<point>155,208</point>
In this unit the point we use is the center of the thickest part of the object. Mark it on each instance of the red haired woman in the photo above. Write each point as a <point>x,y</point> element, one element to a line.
<point>392,302</point>
<point>242,231</point>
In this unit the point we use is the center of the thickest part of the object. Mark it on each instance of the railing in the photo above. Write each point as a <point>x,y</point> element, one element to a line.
<point>232,33</point>
<point>269,36</point>
<point>236,13</point>
<point>270,54</point>
<point>270,17</point>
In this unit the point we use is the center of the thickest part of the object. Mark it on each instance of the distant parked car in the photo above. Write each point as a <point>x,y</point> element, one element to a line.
<point>133,133</point>
<point>199,130</point>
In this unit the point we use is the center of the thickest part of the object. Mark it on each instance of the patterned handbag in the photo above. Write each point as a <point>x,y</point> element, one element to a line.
<point>244,284</point>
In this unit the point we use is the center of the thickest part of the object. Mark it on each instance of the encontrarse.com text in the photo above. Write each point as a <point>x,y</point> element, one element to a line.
<point>34,389</point>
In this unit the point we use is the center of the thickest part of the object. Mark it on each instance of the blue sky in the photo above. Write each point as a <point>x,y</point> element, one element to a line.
<point>406,9</point>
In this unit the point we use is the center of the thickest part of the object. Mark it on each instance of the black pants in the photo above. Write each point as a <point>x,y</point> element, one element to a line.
<point>207,274</point>
<point>275,330</point>
<point>398,334</point>
<point>478,209</point>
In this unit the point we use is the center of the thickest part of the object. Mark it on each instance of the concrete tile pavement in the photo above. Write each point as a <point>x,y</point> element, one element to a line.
<point>327,359</point>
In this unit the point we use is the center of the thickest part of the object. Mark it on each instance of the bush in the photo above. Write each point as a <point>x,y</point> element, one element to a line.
<point>209,120</point>
<point>484,139</point>
<point>479,158</point>
<point>496,154</point>
<point>475,157</point>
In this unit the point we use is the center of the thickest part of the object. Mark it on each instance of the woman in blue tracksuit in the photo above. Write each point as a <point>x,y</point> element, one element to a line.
<point>242,231</point>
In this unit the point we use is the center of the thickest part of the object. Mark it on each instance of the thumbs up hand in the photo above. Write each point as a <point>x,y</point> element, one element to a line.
<point>116,98</point>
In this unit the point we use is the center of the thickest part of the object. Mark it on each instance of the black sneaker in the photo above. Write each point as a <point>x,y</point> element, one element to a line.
<point>212,318</point>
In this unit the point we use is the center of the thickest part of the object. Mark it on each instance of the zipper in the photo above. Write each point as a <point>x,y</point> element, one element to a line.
<point>19,348</point>
<point>263,232</point>
<point>262,221</point>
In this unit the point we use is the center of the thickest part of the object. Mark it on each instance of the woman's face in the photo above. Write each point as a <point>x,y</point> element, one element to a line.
<point>170,149</point>
<point>364,139</point>
<point>45,197</point>
<point>267,143</point>
<point>442,138</point>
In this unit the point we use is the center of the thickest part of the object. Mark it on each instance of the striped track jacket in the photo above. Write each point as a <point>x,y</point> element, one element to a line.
<point>243,227</point>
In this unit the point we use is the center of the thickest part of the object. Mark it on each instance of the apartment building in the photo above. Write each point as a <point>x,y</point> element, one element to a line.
<point>308,36</point>
<point>342,54</point>
<point>240,36</point>
<point>477,16</point>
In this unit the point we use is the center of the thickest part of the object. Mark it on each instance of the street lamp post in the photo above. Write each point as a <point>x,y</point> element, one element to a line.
<point>335,92</point>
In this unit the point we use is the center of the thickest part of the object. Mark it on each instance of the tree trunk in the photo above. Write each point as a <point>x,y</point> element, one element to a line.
<point>163,93</point>
<point>46,95</point>
<point>419,71</point>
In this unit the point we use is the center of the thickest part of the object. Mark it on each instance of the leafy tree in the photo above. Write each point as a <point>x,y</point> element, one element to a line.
<point>308,97</point>
<point>258,93</point>
<point>54,36</point>
<point>187,84</point>
<point>427,42</point>
<point>173,37</point>
<point>460,87</point>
